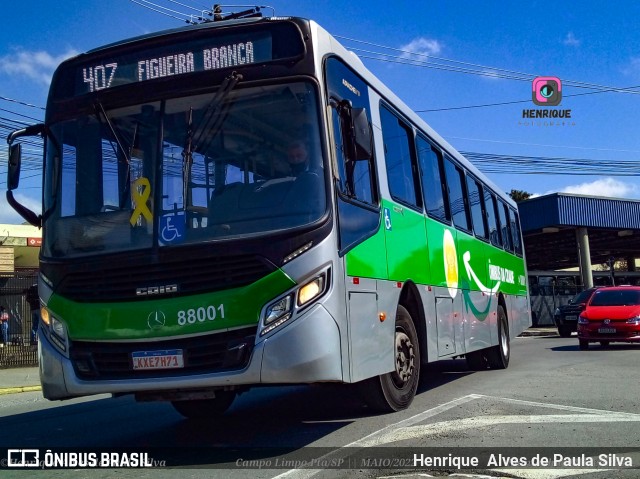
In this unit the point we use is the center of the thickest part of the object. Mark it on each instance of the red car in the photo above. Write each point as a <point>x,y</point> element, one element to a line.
<point>612,315</point>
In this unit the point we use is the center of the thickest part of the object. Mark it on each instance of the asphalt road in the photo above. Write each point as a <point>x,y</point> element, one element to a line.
<point>553,399</point>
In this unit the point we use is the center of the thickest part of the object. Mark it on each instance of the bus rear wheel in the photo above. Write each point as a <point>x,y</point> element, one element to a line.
<point>395,391</point>
<point>205,408</point>
<point>498,356</point>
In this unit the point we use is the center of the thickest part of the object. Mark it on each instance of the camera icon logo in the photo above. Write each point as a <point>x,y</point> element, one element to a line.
<point>546,91</point>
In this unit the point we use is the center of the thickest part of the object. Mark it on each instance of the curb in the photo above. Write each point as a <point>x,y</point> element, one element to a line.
<point>20,389</point>
<point>529,333</point>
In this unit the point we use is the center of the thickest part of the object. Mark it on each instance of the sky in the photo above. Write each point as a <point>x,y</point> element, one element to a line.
<point>466,67</point>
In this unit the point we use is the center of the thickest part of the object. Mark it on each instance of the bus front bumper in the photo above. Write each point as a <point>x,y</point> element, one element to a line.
<point>305,351</point>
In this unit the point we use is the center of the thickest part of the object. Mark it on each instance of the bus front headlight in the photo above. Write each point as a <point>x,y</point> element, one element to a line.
<point>282,310</point>
<point>311,290</point>
<point>55,330</point>
<point>277,313</point>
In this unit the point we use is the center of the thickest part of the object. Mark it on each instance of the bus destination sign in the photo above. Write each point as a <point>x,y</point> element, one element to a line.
<point>173,60</point>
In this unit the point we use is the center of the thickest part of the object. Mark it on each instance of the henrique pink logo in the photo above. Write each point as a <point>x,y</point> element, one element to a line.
<point>546,91</point>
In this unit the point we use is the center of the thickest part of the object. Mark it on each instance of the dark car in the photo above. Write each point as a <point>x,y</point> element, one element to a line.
<point>566,316</point>
<point>612,315</point>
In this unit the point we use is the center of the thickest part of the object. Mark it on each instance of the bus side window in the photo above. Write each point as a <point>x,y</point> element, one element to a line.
<point>474,190</point>
<point>432,179</point>
<point>362,175</point>
<point>514,226</point>
<point>457,199</point>
<point>492,218</point>
<point>504,225</point>
<point>399,159</point>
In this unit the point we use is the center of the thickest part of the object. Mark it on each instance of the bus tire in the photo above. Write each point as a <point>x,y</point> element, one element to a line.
<point>205,408</point>
<point>498,356</point>
<point>477,360</point>
<point>395,391</point>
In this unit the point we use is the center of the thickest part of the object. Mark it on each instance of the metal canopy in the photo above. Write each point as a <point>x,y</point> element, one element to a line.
<point>549,225</point>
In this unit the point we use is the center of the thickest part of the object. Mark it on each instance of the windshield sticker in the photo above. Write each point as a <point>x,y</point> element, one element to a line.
<point>172,229</point>
<point>141,192</point>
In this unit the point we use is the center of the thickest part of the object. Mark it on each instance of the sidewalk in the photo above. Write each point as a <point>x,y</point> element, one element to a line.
<point>18,380</point>
<point>540,331</point>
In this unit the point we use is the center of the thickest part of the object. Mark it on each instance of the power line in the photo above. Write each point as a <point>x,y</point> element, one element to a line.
<point>20,102</point>
<point>477,69</point>
<point>544,145</point>
<point>158,10</point>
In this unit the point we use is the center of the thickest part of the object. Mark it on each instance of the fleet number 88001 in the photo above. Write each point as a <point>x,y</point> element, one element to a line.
<point>200,315</point>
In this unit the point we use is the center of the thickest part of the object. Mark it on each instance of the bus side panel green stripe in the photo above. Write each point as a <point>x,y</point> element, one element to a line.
<point>413,249</point>
<point>137,319</point>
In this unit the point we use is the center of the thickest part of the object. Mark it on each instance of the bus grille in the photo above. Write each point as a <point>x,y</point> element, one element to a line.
<point>226,351</point>
<point>119,282</point>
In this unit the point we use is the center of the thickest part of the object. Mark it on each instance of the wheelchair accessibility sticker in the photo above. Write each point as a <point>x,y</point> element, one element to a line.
<point>387,219</point>
<point>172,229</point>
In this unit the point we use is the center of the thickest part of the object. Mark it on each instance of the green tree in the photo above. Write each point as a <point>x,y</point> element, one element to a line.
<point>519,195</point>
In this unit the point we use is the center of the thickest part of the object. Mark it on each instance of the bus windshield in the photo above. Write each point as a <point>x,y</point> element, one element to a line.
<point>231,163</point>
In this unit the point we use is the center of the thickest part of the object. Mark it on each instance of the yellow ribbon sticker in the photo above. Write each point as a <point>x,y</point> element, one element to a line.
<point>141,192</point>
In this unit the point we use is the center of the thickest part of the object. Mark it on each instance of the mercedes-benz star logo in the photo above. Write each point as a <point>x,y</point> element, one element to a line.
<point>156,320</point>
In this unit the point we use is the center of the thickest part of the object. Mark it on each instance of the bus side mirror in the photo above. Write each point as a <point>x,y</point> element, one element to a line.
<point>13,172</point>
<point>13,169</point>
<point>362,134</point>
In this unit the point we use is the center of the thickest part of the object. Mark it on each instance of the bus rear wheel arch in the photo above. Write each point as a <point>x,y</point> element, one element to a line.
<point>395,390</point>
<point>498,356</point>
<point>494,357</point>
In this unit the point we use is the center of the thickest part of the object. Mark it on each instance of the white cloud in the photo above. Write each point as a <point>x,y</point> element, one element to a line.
<point>607,187</point>
<point>33,65</point>
<point>633,68</point>
<point>421,46</point>
<point>571,40</point>
<point>9,216</point>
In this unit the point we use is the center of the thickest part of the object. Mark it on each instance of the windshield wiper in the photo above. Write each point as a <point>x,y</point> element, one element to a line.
<point>211,121</point>
<point>216,112</point>
<point>100,109</point>
<point>125,155</point>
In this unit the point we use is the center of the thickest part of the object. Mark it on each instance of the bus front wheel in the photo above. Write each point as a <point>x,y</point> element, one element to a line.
<point>395,391</point>
<point>205,408</point>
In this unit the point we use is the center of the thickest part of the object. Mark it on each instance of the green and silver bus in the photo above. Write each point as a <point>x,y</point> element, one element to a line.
<point>187,255</point>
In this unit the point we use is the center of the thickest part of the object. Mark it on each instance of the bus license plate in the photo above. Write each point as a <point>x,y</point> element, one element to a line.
<point>166,359</point>
<point>607,330</point>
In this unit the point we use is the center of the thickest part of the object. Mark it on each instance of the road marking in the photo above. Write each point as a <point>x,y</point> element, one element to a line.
<point>306,473</point>
<point>410,429</point>
<point>549,473</point>
<point>560,407</point>
<point>424,430</point>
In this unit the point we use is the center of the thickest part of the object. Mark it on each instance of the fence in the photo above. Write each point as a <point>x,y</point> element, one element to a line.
<point>21,350</point>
